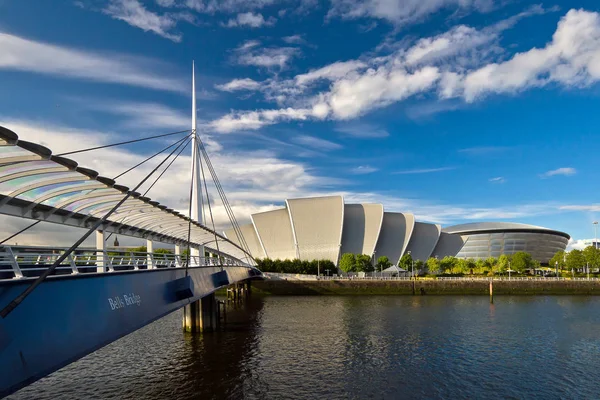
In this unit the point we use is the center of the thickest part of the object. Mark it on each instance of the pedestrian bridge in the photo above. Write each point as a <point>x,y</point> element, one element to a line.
<point>58,305</point>
<point>78,310</point>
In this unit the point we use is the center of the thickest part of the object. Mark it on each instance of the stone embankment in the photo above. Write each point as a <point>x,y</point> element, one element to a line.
<point>426,287</point>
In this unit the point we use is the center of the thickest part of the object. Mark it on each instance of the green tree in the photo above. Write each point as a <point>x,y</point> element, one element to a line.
<point>502,264</point>
<point>163,251</point>
<point>558,258</point>
<point>363,263</point>
<point>348,262</point>
<point>434,266</point>
<point>575,259</point>
<point>592,256</point>
<point>481,266</point>
<point>383,262</point>
<point>461,266</point>
<point>447,264</point>
<point>419,266</point>
<point>521,261</point>
<point>406,262</point>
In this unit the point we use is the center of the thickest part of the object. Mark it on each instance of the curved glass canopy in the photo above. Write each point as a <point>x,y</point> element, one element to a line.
<point>36,184</point>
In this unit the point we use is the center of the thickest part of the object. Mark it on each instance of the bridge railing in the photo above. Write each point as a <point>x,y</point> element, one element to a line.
<point>19,265</point>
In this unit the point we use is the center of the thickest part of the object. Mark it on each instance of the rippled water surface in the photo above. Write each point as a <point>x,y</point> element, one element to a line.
<point>353,347</point>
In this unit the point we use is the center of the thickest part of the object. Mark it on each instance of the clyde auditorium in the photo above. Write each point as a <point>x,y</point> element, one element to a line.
<point>325,228</point>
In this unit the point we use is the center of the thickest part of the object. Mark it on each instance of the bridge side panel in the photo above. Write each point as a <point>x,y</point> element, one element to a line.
<point>67,318</point>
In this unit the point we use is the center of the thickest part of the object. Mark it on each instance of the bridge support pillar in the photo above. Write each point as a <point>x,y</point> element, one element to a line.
<point>178,256</point>
<point>100,253</point>
<point>201,315</point>
<point>248,288</point>
<point>150,251</point>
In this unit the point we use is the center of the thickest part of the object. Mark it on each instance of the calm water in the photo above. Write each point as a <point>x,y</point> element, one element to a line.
<point>354,347</point>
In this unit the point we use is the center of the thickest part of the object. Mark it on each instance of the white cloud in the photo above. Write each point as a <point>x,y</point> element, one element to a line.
<point>579,244</point>
<point>498,179</point>
<point>21,54</point>
<point>239,84</point>
<point>458,40</point>
<point>294,39</point>
<point>401,12</point>
<point>253,120</point>
<point>254,181</point>
<point>165,3</point>
<point>354,96</point>
<point>423,170</point>
<point>363,169</point>
<point>583,207</point>
<point>144,115</point>
<point>316,143</point>
<point>362,130</point>
<point>267,57</point>
<point>483,150</point>
<point>249,54</point>
<point>560,171</point>
<point>330,72</point>
<point>454,64</point>
<point>572,58</point>
<point>213,6</point>
<point>251,20</point>
<point>135,14</point>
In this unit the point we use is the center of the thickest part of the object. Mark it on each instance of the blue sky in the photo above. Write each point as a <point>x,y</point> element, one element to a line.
<point>455,110</point>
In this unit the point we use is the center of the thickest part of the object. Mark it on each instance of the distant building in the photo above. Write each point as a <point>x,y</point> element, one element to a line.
<point>492,239</point>
<point>326,227</point>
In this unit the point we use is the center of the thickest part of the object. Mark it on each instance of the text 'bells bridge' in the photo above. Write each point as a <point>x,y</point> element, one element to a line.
<point>58,306</point>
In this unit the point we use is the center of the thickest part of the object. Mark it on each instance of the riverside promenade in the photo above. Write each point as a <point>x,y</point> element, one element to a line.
<point>298,285</point>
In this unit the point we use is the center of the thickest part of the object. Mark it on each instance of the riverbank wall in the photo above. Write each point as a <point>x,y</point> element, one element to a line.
<point>424,287</point>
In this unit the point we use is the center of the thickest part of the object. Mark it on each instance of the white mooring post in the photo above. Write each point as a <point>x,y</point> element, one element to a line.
<point>100,253</point>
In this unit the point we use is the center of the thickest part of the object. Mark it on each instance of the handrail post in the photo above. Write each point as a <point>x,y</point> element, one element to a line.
<point>108,261</point>
<point>73,265</point>
<point>14,263</point>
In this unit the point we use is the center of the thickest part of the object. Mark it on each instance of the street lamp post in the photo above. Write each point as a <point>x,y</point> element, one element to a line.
<point>373,262</point>
<point>556,266</point>
<point>595,234</point>
<point>509,270</point>
<point>412,271</point>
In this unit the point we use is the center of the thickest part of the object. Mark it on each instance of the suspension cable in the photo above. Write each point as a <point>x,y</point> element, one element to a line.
<point>121,143</point>
<point>226,205</point>
<point>149,158</point>
<point>19,299</point>
<point>21,231</point>
<point>209,207</point>
<point>167,167</point>
<point>118,176</point>
<point>225,201</point>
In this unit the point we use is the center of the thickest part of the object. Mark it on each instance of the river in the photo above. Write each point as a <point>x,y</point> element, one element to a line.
<point>363,347</point>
